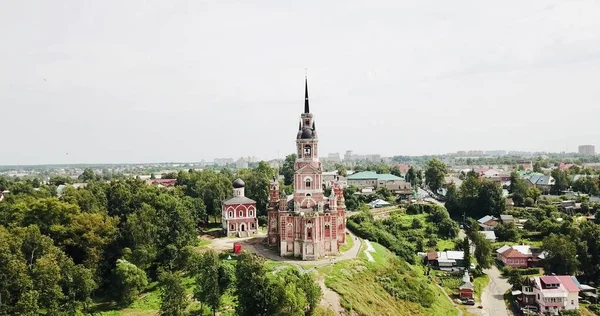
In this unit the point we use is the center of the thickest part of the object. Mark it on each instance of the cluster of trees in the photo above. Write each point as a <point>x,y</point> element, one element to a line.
<point>435,172</point>
<point>110,240</point>
<point>477,197</point>
<point>73,244</point>
<point>522,194</point>
<point>406,239</point>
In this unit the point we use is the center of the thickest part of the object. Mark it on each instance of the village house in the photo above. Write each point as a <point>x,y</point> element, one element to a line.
<point>522,256</point>
<point>489,235</point>
<point>488,222</point>
<point>507,219</point>
<point>446,260</point>
<point>543,182</point>
<point>551,294</point>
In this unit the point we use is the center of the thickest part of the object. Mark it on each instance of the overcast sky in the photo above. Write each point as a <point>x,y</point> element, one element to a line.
<point>150,81</point>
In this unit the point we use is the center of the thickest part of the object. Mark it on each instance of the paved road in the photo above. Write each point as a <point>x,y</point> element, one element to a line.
<point>492,298</point>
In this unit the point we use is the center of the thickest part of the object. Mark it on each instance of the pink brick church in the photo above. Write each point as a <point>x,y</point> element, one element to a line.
<point>307,224</point>
<point>239,213</point>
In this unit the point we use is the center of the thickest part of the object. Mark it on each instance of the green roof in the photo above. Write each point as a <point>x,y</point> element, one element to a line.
<point>373,175</point>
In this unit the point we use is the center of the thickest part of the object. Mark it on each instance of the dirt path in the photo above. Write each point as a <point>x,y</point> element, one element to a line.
<point>330,299</point>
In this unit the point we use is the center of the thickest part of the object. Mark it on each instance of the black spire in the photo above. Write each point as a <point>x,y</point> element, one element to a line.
<point>306,109</point>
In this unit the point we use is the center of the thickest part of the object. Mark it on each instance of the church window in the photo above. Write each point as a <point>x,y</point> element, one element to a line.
<point>250,213</point>
<point>308,183</point>
<point>252,225</point>
<point>307,151</point>
<point>241,214</point>
<point>307,122</point>
<point>232,227</point>
<point>230,214</point>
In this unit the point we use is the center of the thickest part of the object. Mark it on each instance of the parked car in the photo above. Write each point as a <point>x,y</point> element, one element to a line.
<point>469,302</point>
<point>529,310</point>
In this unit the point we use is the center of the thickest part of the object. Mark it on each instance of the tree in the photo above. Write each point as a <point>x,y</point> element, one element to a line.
<point>533,193</point>
<point>341,170</point>
<point>288,169</point>
<point>537,167</point>
<point>257,185</point>
<point>252,287</point>
<point>395,170</point>
<point>490,200</point>
<point>561,181</point>
<point>174,300</point>
<point>129,281</point>
<point>453,204</point>
<point>561,256</point>
<point>212,280</point>
<point>507,232</point>
<point>467,253</point>
<point>434,174</point>
<point>483,250</point>
<point>411,176</point>
<point>516,280</point>
<point>88,175</point>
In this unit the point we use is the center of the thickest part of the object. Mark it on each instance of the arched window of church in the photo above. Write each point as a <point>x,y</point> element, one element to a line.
<point>309,230</point>
<point>230,214</point>
<point>307,151</point>
<point>250,213</point>
<point>241,214</point>
<point>308,183</point>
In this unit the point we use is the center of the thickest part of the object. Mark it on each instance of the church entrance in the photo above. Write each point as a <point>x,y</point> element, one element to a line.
<point>243,227</point>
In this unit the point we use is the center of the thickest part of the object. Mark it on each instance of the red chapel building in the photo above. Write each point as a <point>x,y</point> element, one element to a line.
<point>307,224</point>
<point>239,213</point>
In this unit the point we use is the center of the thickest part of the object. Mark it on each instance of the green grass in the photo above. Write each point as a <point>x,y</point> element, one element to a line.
<point>348,245</point>
<point>443,244</point>
<point>480,283</point>
<point>355,281</point>
<point>202,243</point>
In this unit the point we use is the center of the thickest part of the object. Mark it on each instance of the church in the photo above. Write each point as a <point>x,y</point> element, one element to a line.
<point>307,224</point>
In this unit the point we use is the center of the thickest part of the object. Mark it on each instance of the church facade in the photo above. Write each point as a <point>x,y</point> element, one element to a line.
<point>238,214</point>
<point>307,224</point>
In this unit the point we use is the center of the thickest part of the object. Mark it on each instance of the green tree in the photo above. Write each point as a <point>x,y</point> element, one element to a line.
<point>173,298</point>
<point>434,174</point>
<point>212,281</point>
<point>516,280</point>
<point>252,287</point>
<point>453,203</point>
<point>507,232</point>
<point>490,200</point>
<point>288,169</point>
<point>128,281</point>
<point>411,176</point>
<point>395,170</point>
<point>467,252</point>
<point>561,256</point>
<point>561,181</point>
<point>483,250</point>
<point>88,175</point>
<point>341,170</point>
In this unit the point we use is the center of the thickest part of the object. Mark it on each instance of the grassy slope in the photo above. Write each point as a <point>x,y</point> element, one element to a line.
<point>349,243</point>
<point>355,281</point>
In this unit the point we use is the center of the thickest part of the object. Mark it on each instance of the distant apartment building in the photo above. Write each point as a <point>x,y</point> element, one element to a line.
<point>333,157</point>
<point>241,163</point>
<point>349,156</point>
<point>223,161</point>
<point>587,150</point>
<point>373,180</point>
<point>497,153</point>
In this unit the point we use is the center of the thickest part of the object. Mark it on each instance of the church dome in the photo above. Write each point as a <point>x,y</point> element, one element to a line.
<point>238,183</point>
<point>307,133</point>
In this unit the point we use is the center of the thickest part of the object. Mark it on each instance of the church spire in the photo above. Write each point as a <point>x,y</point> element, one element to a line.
<point>306,109</point>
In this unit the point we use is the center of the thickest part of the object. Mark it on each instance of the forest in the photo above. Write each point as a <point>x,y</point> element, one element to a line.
<point>103,244</point>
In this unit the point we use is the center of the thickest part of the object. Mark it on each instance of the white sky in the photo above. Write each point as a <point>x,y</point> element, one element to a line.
<point>149,81</point>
